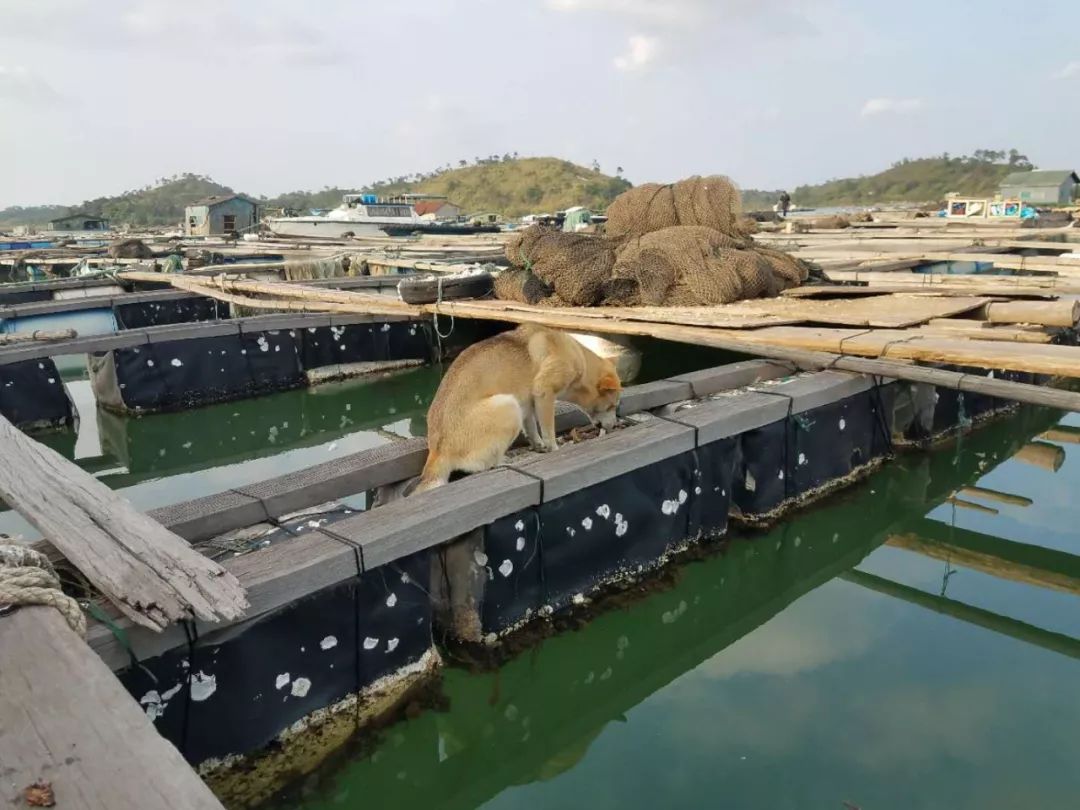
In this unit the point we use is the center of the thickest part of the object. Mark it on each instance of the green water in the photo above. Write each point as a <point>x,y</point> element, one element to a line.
<point>162,459</point>
<point>810,667</point>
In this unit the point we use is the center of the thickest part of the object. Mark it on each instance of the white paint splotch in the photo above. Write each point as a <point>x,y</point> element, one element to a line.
<point>202,686</point>
<point>328,643</point>
<point>300,687</point>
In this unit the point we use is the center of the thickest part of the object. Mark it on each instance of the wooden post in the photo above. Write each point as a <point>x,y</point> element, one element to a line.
<point>66,720</point>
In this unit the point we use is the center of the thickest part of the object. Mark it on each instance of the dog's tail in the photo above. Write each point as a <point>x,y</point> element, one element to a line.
<point>436,473</point>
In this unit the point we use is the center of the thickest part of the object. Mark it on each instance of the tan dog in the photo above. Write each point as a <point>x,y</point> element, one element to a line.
<point>507,385</point>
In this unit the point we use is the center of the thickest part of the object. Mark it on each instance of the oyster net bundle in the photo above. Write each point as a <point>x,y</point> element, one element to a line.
<point>681,244</point>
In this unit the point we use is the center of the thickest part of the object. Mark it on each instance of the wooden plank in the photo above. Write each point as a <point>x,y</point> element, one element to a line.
<point>726,416</point>
<point>983,330</point>
<point>915,345</point>
<point>67,720</point>
<point>152,575</point>
<point>426,519</point>
<point>887,311</point>
<point>734,375</point>
<point>637,398</point>
<point>588,463</point>
<point>971,284</point>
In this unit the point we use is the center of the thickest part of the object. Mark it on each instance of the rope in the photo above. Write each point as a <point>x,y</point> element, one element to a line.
<point>28,578</point>
<point>438,302</point>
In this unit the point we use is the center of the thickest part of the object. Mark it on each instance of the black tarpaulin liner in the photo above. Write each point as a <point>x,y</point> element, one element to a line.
<point>623,526</point>
<point>159,313</point>
<point>237,696</point>
<point>33,395</point>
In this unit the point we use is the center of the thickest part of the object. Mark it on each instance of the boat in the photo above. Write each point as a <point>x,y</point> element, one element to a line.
<point>358,215</point>
<point>456,228</point>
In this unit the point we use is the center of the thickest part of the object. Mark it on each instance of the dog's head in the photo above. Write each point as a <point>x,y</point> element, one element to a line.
<point>598,391</point>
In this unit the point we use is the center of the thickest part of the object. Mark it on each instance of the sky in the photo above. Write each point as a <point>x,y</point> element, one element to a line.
<point>268,96</point>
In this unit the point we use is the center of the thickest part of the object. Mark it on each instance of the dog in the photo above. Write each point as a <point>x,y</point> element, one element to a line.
<point>507,385</point>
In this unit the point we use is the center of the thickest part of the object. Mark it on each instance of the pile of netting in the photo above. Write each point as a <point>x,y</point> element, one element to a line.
<point>682,244</point>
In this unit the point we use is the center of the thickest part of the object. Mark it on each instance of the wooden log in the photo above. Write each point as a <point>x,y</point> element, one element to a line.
<point>1042,454</point>
<point>1063,312</point>
<point>996,495</point>
<point>65,719</point>
<point>149,573</point>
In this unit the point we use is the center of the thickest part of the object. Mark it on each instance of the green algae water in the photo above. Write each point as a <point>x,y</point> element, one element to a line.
<point>887,649</point>
<point>161,459</point>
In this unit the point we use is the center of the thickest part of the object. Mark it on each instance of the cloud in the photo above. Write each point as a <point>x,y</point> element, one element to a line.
<point>896,106</point>
<point>1070,71</point>
<point>640,52</point>
<point>21,85</point>
<point>671,12</point>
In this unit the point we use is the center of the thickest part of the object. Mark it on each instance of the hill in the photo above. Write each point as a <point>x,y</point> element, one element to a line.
<point>159,204</point>
<point>509,186</point>
<point>920,180</point>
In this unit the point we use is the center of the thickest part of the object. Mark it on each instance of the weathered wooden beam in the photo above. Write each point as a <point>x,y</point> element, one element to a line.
<point>66,720</point>
<point>149,573</point>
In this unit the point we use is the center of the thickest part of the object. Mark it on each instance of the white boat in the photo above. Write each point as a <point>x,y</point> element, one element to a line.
<point>358,215</point>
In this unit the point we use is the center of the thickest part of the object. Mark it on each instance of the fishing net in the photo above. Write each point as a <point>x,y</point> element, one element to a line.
<point>710,201</point>
<point>832,223</point>
<point>574,265</point>
<point>682,244</point>
<point>130,249</point>
<point>312,269</point>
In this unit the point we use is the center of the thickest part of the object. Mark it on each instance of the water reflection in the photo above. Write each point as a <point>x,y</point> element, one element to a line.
<point>819,665</point>
<point>165,458</point>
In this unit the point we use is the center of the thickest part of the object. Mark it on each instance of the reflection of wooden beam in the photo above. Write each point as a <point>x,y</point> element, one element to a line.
<point>975,507</point>
<point>1066,434</point>
<point>1042,454</point>
<point>1021,631</point>
<point>995,495</point>
<point>988,563</point>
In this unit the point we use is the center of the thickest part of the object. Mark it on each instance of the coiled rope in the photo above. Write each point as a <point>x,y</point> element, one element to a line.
<point>28,578</point>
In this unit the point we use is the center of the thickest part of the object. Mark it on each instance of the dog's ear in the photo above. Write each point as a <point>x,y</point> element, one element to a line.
<point>609,382</point>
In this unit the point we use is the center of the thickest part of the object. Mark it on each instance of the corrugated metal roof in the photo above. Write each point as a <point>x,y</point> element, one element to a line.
<point>1047,177</point>
<point>79,215</point>
<point>215,199</point>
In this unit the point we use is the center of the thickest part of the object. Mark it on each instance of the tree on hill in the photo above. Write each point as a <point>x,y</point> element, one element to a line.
<point>908,180</point>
